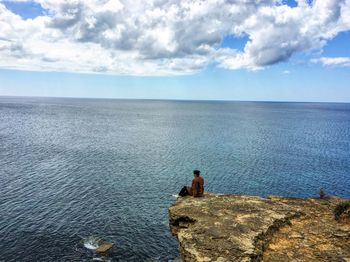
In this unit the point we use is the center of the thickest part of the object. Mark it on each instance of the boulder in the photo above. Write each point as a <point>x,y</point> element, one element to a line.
<point>104,247</point>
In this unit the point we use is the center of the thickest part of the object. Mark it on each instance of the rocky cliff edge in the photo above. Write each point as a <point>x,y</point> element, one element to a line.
<point>248,228</point>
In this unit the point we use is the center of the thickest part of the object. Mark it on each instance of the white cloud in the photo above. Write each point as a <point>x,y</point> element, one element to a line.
<point>165,37</point>
<point>333,61</point>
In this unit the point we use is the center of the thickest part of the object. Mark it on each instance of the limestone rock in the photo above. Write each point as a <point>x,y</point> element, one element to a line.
<point>104,247</point>
<point>249,228</point>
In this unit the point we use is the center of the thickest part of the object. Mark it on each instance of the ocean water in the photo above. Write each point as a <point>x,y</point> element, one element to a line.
<point>75,170</point>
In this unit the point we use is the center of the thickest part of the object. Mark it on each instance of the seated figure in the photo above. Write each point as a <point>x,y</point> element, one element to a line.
<point>197,187</point>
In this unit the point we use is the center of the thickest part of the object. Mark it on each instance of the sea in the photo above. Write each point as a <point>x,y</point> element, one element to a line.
<point>76,171</point>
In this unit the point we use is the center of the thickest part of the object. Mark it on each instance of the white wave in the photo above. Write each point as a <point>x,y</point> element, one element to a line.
<point>175,196</point>
<point>91,242</point>
<point>101,259</point>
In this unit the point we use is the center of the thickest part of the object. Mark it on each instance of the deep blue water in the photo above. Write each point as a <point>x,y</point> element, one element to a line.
<point>75,168</point>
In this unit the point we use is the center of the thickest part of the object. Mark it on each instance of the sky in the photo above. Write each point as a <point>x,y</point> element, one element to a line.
<point>261,50</point>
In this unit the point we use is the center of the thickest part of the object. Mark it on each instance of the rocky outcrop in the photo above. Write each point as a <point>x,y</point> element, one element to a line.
<point>248,228</point>
<point>104,247</point>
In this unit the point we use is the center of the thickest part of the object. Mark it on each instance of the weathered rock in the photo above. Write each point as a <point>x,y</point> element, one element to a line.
<point>249,228</point>
<point>104,247</point>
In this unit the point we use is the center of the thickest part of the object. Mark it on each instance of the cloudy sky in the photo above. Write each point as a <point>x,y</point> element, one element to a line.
<point>188,49</point>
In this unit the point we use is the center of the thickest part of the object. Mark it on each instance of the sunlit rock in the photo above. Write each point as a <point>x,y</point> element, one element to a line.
<point>104,247</point>
<point>96,244</point>
<point>249,228</point>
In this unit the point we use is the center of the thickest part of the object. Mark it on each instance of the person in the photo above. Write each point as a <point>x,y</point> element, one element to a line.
<point>197,187</point>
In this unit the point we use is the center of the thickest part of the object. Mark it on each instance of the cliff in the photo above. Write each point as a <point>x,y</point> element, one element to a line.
<point>248,228</point>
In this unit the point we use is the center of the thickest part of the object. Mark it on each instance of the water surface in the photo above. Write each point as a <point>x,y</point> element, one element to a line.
<point>76,168</point>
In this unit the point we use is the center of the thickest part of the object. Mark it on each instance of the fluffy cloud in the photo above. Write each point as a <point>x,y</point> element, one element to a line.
<point>165,37</point>
<point>333,61</point>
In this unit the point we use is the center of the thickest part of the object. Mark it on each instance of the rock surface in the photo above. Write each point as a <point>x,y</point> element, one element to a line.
<point>248,228</point>
<point>104,247</point>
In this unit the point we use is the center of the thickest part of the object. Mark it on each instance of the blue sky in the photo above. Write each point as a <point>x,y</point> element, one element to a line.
<point>227,65</point>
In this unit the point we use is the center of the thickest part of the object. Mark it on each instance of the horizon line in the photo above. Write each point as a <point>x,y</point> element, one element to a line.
<point>176,99</point>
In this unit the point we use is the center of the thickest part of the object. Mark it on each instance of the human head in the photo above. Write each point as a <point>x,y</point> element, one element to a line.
<point>196,172</point>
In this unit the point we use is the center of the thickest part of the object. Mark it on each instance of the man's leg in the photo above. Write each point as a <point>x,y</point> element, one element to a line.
<point>183,192</point>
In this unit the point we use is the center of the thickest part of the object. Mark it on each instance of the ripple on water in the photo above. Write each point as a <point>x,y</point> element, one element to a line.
<point>110,168</point>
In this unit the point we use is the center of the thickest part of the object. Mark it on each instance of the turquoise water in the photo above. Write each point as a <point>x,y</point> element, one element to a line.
<point>78,168</point>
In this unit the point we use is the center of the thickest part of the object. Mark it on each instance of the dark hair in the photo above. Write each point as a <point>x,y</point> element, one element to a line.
<point>196,172</point>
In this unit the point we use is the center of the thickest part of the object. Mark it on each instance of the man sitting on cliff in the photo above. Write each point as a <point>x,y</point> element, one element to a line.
<point>197,188</point>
